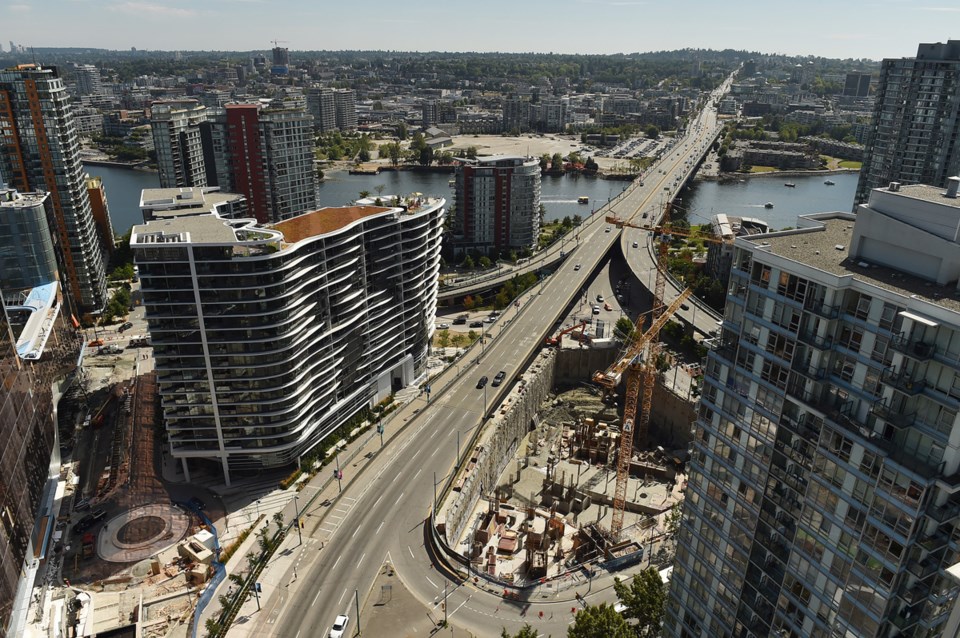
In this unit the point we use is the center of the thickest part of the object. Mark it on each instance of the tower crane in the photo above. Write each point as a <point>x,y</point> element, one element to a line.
<point>641,371</point>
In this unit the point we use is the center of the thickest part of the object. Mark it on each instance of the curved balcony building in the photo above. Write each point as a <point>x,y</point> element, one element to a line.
<point>268,338</point>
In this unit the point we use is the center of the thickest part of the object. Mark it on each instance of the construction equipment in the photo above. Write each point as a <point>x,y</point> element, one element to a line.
<point>641,372</point>
<point>555,341</point>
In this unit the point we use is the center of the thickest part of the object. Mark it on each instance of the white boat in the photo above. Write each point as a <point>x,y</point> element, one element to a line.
<point>829,182</point>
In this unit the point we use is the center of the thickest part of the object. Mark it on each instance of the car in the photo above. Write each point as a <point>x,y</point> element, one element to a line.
<point>608,229</point>
<point>577,267</point>
<point>443,326</point>
<point>498,379</point>
<point>684,306</point>
<point>489,319</point>
<point>125,326</point>
<point>645,215</point>
<point>596,310</point>
<point>476,324</point>
<point>599,298</point>
<point>83,524</point>
<point>636,244</point>
<point>460,321</point>
<point>95,343</point>
<point>482,382</point>
<point>607,306</point>
<point>339,629</point>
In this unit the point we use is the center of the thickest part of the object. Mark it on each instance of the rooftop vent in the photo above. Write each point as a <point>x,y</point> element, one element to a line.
<point>894,187</point>
<point>839,246</point>
<point>953,184</point>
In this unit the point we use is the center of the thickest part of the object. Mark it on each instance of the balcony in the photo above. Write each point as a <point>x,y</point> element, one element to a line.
<point>811,372</point>
<point>944,513</point>
<point>922,569</point>
<point>811,338</point>
<point>935,541</point>
<point>897,418</point>
<point>822,310</point>
<point>917,593</point>
<point>903,382</point>
<point>904,623</point>
<point>914,348</point>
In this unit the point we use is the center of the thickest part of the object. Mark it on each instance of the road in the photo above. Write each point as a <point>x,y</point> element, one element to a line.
<point>382,515</point>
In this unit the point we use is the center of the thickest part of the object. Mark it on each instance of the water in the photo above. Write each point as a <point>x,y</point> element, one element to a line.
<point>746,199</point>
<point>123,188</point>
<point>558,194</point>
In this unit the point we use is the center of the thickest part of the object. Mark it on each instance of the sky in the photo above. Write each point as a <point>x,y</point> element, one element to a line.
<point>872,29</point>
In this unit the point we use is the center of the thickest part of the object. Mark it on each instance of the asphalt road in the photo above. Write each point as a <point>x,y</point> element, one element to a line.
<point>382,515</point>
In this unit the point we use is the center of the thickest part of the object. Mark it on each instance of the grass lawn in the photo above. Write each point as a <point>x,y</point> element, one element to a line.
<point>762,169</point>
<point>850,164</point>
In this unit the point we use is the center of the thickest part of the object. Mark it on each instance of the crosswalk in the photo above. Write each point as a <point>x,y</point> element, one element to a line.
<point>334,520</point>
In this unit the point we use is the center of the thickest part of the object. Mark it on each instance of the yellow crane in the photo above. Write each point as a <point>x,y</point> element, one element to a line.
<point>641,370</point>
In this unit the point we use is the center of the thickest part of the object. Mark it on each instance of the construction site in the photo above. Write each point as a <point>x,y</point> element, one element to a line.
<point>583,465</point>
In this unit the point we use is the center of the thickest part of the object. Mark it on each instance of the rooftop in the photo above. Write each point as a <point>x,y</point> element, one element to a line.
<point>11,198</point>
<point>323,221</point>
<point>927,193</point>
<point>824,243</point>
<point>178,202</point>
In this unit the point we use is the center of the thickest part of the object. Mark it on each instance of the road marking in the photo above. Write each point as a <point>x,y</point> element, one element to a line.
<point>341,597</point>
<point>377,501</point>
<point>458,608</point>
<point>411,553</point>
<point>355,532</point>
<point>381,523</point>
<point>430,581</point>
<point>418,473</point>
<point>338,561</point>
<point>298,634</point>
<point>315,599</point>
<point>434,452</point>
<point>361,559</point>
<point>400,498</point>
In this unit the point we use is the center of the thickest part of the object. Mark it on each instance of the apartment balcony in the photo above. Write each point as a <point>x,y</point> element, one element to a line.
<point>914,348</point>
<point>935,541</point>
<point>945,513</point>
<point>812,339</point>
<point>923,569</point>
<point>897,418</point>
<point>903,382</point>
<point>822,310</point>
<point>904,623</point>
<point>811,372</point>
<point>916,594</point>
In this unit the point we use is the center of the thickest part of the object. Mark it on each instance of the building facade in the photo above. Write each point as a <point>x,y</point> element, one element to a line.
<point>100,209</point>
<point>265,153</point>
<point>916,121</point>
<point>498,204</point>
<point>177,139</point>
<point>40,151</point>
<point>267,339</point>
<point>322,106</point>
<point>823,490</point>
<point>345,103</point>
<point>27,256</point>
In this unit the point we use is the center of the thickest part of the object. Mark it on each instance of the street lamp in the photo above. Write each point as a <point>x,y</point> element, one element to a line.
<point>258,508</point>
<point>296,509</point>
<point>339,473</point>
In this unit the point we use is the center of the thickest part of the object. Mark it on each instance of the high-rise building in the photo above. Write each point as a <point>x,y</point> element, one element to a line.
<point>41,152</point>
<point>322,106</point>
<point>345,102</point>
<point>516,115</point>
<point>101,213</point>
<point>27,253</point>
<point>281,61</point>
<point>857,85</point>
<point>498,204</point>
<point>87,79</point>
<point>823,488</point>
<point>915,135</point>
<point>164,203</point>
<point>265,153</point>
<point>295,327</point>
<point>178,141</point>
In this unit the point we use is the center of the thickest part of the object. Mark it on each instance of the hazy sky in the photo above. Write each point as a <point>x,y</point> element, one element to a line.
<point>835,28</point>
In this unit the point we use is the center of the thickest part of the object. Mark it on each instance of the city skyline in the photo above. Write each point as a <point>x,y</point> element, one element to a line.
<point>871,29</point>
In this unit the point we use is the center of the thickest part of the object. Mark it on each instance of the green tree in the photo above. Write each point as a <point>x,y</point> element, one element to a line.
<point>599,621</point>
<point>485,262</point>
<point>468,263</point>
<point>556,162</point>
<point>468,302</point>
<point>363,155</point>
<point>652,131</point>
<point>471,152</point>
<point>544,161</point>
<point>443,338</point>
<point>426,156</point>
<point>525,632</point>
<point>625,327</point>
<point>401,131</point>
<point>644,598</point>
<point>364,194</point>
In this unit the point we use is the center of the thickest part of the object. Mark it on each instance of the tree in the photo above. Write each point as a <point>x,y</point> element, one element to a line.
<point>468,263</point>
<point>364,194</point>
<point>652,131</point>
<point>556,162</point>
<point>401,131</point>
<point>363,155</point>
<point>471,152</point>
<point>644,598</point>
<point>443,338</point>
<point>426,156</point>
<point>468,302</point>
<point>525,632</point>
<point>485,262</point>
<point>599,621</point>
<point>625,327</point>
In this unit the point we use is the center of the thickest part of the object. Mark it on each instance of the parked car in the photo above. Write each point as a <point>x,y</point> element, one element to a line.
<point>596,310</point>
<point>125,326</point>
<point>599,298</point>
<point>96,343</point>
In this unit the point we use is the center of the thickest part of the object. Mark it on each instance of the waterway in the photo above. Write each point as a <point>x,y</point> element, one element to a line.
<point>558,194</point>
<point>746,199</point>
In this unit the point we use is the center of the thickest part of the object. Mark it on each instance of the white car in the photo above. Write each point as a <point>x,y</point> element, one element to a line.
<point>339,629</point>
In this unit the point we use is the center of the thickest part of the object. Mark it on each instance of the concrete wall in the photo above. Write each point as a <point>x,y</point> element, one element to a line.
<point>575,366</point>
<point>671,419</point>
<point>499,442</point>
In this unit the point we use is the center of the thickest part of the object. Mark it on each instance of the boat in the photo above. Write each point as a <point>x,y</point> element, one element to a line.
<point>768,205</point>
<point>583,199</point>
<point>829,182</point>
<point>790,185</point>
